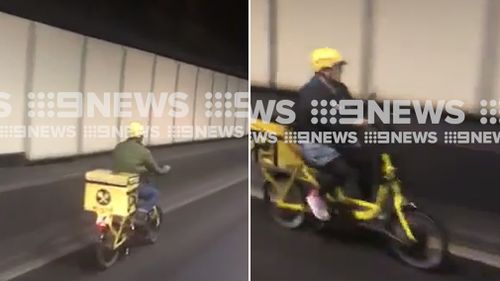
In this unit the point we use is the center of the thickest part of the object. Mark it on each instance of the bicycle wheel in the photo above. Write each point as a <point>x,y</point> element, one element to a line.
<point>153,227</point>
<point>430,250</point>
<point>287,218</point>
<point>106,256</point>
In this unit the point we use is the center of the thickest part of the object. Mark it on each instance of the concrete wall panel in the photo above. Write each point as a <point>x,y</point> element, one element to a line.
<point>102,81</point>
<point>13,56</point>
<point>57,65</point>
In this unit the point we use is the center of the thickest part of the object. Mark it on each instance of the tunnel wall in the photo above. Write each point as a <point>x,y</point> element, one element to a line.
<point>430,49</point>
<point>428,53</point>
<point>37,58</point>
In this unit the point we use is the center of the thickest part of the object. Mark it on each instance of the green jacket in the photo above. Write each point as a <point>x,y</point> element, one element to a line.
<point>131,156</point>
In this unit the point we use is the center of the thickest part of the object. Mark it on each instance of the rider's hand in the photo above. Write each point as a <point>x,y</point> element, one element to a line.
<point>361,123</point>
<point>165,169</point>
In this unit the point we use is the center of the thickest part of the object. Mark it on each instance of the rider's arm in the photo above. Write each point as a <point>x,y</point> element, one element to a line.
<point>343,93</point>
<point>151,164</point>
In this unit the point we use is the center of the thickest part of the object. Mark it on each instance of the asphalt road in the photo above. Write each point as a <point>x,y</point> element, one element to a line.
<point>204,240</point>
<point>282,254</point>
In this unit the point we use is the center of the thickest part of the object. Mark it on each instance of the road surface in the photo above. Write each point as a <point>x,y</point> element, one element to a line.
<point>204,240</point>
<point>282,254</point>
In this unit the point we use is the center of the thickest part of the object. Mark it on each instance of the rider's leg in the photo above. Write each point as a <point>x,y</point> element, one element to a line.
<point>147,199</point>
<point>366,180</point>
<point>341,173</point>
<point>318,155</point>
<point>344,174</point>
<point>148,196</point>
<point>361,160</point>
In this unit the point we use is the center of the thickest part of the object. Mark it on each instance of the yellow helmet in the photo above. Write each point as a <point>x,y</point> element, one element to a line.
<point>135,130</point>
<point>325,57</point>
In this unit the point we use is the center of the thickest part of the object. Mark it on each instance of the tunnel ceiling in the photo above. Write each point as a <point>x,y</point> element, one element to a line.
<point>213,34</point>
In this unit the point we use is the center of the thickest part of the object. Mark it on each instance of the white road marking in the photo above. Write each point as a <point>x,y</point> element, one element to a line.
<point>203,195</point>
<point>36,262</point>
<point>475,255</point>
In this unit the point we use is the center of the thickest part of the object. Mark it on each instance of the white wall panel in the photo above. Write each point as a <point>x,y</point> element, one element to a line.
<point>303,26</point>
<point>496,90</point>
<point>201,120</point>
<point>57,66</point>
<point>186,85</point>
<point>428,53</point>
<point>14,32</point>
<point>165,79</point>
<point>220,87</point>
<point>229,121</point>
<point>102,79</point>
<point>137,80</point>
<point>57,69</point>
<point>260,42</point>
<point>243,87</point>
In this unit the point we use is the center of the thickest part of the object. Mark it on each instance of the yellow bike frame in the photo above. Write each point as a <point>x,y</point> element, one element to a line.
<point>283,158</point>
<point>116,226</point>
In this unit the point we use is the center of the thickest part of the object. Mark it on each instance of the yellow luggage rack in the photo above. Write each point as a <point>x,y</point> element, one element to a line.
<point>283,154</point>
<point>108,193</point>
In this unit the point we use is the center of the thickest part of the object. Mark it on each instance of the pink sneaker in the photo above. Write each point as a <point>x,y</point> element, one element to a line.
<point>318,206</point>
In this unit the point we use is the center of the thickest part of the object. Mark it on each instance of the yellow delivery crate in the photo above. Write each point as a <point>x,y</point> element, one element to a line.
<point>108,193</point>
<point>286,154</point>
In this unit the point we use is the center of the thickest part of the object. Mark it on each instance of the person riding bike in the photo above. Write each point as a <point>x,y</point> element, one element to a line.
<point>339,160</point>
<point>131,156</point>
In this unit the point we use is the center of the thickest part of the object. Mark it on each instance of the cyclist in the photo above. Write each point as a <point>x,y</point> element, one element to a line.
<point>131,156</point>
<point>333,159</point>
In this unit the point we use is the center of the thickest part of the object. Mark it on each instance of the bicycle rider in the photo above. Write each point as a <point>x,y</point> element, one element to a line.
<point>131,156</point>
<point>332,159</point>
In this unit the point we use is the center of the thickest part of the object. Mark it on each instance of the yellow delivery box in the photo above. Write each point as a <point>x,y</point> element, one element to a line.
<point>108,193</point>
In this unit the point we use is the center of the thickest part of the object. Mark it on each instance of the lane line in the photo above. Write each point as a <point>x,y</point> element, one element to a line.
<point>204,194</point>
<point>465,252</point>
<point>60,252</point>
<point>38,262</point>
<point>51,180</point>
<point>475,255</point>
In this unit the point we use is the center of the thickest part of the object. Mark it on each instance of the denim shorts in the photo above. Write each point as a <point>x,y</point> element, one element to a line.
<point>318,154</point>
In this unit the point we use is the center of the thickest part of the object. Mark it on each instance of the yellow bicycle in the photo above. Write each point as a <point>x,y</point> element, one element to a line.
<point>413,236</point>
<point>113,197</point>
